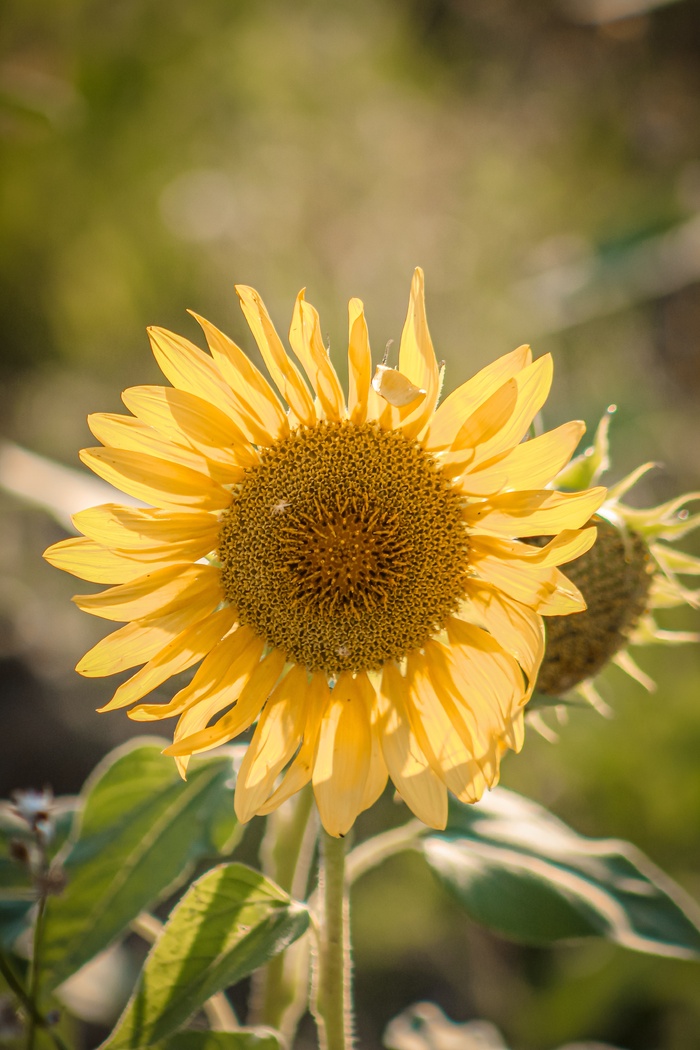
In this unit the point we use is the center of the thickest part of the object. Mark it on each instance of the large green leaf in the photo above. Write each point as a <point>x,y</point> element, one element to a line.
<point>231,921</point>
<point>243,1039</point>
<point>518,869</point>
<point>141,832</point>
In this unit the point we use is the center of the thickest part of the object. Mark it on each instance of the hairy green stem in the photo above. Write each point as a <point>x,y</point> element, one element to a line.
<point>333,988</point>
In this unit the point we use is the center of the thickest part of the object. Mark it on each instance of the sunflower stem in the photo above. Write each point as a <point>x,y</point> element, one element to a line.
<point>334,970</point>
<point>280,989</point>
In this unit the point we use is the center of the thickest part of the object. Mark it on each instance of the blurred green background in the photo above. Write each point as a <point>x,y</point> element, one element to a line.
<point>541,160</point>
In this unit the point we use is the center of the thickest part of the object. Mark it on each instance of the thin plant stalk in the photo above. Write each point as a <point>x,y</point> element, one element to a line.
<point>334,971</point>
<point>35,970</point>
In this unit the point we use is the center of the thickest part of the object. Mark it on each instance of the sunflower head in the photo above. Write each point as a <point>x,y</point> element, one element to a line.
<point>629,573</point>
<point>350,574</point>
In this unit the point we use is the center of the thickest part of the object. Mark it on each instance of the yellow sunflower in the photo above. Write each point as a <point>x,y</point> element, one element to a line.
<point>629,574</point>
<point>351,575</point>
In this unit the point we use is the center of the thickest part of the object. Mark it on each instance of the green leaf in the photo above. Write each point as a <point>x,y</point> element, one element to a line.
<point>242,1039</point>
<point>518,869</point>
<point>231,921</point>
<point>141,833</point>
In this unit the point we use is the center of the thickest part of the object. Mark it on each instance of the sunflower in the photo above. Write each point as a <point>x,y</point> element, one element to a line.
<point>350,576</point>
<point>630,574</point>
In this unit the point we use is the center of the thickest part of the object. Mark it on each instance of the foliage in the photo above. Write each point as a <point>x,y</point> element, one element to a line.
<point>139,834</point>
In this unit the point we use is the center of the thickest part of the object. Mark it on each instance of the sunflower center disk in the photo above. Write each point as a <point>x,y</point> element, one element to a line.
<point>345,547</point>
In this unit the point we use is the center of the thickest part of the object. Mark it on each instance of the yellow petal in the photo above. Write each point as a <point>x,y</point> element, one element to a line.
<point>564,599</point>
<point>187,649</point>
<point>218,681</point>
<point>460,404</point>
<point>184,536</point>
<point>283,371</point>
<point>534,513</point>
<point>518,629</point>
<point>247,708</point>
<point>275,740</point>
<point>136,643</point>
<point>359,362</point>
<point>417,359</point>
<point>532,464</point>
<point>262,416</point>
<point>189,368</point>
<point>299,773</point>
<point>154,592</point>
<point>524,580</point>
<point>189,420</point>
<point>534,384</point>
<point>487,681</point>
<point>420,788</point>
<point>156,481</point>
<point>88,560</point>
<point>439,737</point>
<point>342,761</point>
<point>377,774</point>
<point>125,432</point>
<point>478,428</point>
<point>305,340</point>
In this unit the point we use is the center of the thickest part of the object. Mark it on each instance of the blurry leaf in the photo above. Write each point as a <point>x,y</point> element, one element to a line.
<point>425,1027</point>
<point>243,1039</point>
<point>142,831</point>
<point>519,870</point>
<point>231,921</point>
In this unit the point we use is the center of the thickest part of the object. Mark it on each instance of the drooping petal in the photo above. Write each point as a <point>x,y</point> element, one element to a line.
<point>377,774</point>
<point>451,759</point>
<point>305,340</point>
<point>342,761</point>
<point>156,481</point>
<point>247,708</point>
<point>275,740</point>
<point>420,788</point>
<point>516,628</point>
<point>216,684</point>
<point>284,373</point>
<point>298,775</point>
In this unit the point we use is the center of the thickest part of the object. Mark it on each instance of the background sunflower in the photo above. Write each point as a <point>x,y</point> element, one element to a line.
<point>540,160</point>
